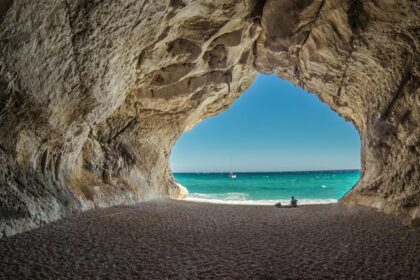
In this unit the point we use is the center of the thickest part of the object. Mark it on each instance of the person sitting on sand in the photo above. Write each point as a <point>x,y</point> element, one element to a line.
<point>293,202</point>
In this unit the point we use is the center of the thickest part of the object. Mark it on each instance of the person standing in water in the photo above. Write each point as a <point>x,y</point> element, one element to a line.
<point>293,202</point>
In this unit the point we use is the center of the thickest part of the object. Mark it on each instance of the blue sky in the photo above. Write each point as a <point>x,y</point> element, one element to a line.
<point>272,126</point>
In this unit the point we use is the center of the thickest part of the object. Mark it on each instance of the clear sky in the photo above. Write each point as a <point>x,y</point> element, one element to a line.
<point>272,126</point>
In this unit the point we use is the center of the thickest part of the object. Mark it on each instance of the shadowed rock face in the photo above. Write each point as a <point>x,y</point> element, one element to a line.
<point>93,94</point>
<point>361,58</point>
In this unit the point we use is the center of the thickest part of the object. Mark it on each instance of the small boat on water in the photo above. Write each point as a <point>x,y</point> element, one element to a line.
<point>232,175</point>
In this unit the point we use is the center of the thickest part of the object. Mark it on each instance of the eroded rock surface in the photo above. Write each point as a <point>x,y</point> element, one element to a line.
<point>93,94</point>
<point>361,58</point>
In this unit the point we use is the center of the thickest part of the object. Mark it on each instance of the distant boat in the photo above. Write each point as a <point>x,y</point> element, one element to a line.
<point>232,175</point>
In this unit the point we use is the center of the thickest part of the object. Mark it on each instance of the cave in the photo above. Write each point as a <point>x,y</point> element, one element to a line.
<point>93,94</point>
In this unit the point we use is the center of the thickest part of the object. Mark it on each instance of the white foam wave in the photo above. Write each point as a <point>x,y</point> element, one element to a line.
<point>242,199</point>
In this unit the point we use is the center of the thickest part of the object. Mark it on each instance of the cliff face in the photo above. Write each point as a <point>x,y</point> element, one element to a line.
<point>361,58</point>
<point>93,94</point>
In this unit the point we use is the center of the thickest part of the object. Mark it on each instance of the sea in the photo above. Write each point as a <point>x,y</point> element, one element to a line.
<point>268,188</point>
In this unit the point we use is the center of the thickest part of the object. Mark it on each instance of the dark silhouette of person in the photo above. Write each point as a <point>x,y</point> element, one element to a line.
<point>293,202</point>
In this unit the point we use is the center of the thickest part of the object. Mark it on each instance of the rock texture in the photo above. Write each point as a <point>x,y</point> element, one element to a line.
<point>361,58</point>
<point>93,94</point>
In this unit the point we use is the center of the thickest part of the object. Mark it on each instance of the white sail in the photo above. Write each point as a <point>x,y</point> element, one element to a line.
<point>232,174</point>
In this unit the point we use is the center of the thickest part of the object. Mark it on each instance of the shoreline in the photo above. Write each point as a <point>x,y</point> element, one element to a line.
<point>265,188</point>
<point>256,202</point>
<point>183,239</point>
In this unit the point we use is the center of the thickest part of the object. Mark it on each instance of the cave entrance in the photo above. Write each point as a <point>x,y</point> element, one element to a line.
<point>278,141</point>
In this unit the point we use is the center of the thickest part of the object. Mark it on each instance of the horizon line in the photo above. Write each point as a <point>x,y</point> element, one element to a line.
<point>283,171</point>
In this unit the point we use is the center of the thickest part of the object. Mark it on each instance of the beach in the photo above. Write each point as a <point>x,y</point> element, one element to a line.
<point>169,239</point>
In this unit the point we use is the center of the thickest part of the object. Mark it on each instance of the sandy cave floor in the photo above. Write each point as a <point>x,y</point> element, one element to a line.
<point>187,240</point>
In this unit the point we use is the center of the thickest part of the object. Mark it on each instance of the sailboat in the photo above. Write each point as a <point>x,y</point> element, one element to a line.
<point>232,175</point>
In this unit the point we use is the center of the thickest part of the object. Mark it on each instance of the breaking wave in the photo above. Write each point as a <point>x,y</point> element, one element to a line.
<point>243,199</point>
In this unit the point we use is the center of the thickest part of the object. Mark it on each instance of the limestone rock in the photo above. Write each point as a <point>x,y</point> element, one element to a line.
<point>93,94</point>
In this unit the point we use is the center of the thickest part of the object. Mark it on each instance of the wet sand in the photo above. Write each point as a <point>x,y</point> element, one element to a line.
<point>187,240</point>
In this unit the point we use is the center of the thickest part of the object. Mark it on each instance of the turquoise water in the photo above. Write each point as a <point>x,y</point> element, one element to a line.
<point>309,187</point>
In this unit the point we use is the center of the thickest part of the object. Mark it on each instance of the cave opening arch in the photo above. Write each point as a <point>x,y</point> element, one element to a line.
<point>271,135</point>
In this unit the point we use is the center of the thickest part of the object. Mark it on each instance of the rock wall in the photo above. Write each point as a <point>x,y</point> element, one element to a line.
<point>361,58</point>
<point>93,94</point>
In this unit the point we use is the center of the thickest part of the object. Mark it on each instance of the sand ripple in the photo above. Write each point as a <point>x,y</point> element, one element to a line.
<point>187,240</point>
